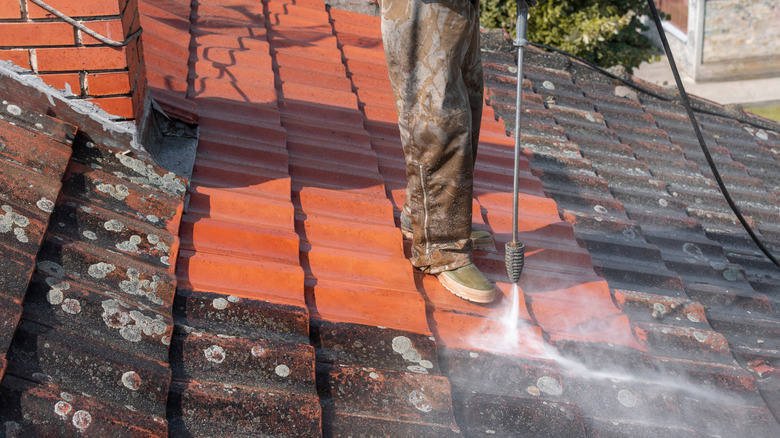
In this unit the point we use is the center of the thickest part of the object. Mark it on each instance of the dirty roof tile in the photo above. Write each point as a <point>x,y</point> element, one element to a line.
<point>672,222</point>
<point>34,151</point>
<point>96,316</point>
<point>293,311</point>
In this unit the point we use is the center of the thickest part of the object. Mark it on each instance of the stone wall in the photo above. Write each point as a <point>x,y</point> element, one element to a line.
<point>741,40</point>
<point>740,29</point>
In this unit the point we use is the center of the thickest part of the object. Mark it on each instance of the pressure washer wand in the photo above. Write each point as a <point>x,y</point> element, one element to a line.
<point>515,251</point>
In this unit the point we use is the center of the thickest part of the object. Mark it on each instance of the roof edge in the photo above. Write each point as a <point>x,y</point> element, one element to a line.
<point>95,122</point>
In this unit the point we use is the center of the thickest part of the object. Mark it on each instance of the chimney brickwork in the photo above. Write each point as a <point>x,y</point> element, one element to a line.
<point>68,58</point>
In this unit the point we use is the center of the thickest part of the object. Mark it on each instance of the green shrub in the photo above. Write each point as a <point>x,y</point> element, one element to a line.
<point>604,32</point>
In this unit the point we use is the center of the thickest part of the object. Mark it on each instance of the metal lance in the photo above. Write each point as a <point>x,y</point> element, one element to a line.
<point>514,250</point>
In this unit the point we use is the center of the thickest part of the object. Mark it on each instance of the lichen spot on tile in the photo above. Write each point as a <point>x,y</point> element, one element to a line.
<point>20,236</point>
<point>114,225</point>
<point>232,298</point>
<point>420,401</point>
<point>426,364</point>
<point>732,274</point>
<point>120,192</point>
<point>548,85</point>
<point>548,385</point>
<point>694,251</point>
<point>417,369</point>
<point>168,183</point>
<point>113,316</point>
<point>62,408</point>
<point>45,205</point>
<point>699,336</point>
<point>215,354</point>
<point>68,397</point>
<point>401,344</point>
<point>162,247</point>
<point>89,235</point>
<point>373,375</point>
<point>600,209</point>
<point>533,390</point>
<point>659,310</point>
<point>57,287</point>
<point>219,303</point>
<point>130,245</point>
<point>152,218</point>
<point>13,221</point>
<point>135,285</point>
<point>762,134</point>
<point>627,398</point>
<point>132,333</point>
<point>82,420</point>
<point>100,270</point>
<point>473,354</point>
<point>258,351</point>
<point>131,380</point>
<point>14,110</point>
<point>282,370</point>
<point>149,326</point>
<point>718,266</point>
<point>71,306</point>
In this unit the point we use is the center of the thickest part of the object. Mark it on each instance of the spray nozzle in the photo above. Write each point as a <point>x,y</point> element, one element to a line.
<point>515,260</point>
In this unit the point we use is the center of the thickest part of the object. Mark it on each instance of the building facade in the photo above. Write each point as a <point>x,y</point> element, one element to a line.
<point>716,40</point>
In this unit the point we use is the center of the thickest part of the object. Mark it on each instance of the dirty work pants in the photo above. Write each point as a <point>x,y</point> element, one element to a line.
<point>433,59</point>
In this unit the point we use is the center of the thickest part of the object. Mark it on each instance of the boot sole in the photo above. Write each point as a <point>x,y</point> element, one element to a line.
<point>485,245</point>
<point>467,293</point>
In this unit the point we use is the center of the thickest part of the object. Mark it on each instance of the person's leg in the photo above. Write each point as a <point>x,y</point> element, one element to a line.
<point>473,77</point>
<point>430,46</point>
<point>426,43</point>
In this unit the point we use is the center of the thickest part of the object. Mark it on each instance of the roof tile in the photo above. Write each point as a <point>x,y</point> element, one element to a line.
<point>672,224</point>
<point>34,151</point>
<point>94,319</point>
<point>293,296</point>
<point>240,307</point>
<point>166,25</point>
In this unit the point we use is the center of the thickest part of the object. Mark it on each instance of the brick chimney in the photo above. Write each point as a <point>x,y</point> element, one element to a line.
<point>65,57</point>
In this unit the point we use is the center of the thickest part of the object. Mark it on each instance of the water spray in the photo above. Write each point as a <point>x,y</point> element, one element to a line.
<point>514,250</point>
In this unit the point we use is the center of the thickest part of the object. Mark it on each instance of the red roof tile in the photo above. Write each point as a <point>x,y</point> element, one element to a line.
<point>166,42</point>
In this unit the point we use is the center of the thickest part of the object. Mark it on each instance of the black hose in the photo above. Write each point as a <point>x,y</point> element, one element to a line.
<point>686,102</point>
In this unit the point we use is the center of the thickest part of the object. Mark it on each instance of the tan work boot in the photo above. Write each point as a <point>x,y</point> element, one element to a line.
<point>481,240</point>
<point>469,283</point>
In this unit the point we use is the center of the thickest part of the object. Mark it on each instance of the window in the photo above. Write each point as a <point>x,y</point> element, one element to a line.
<point>678,10</point>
